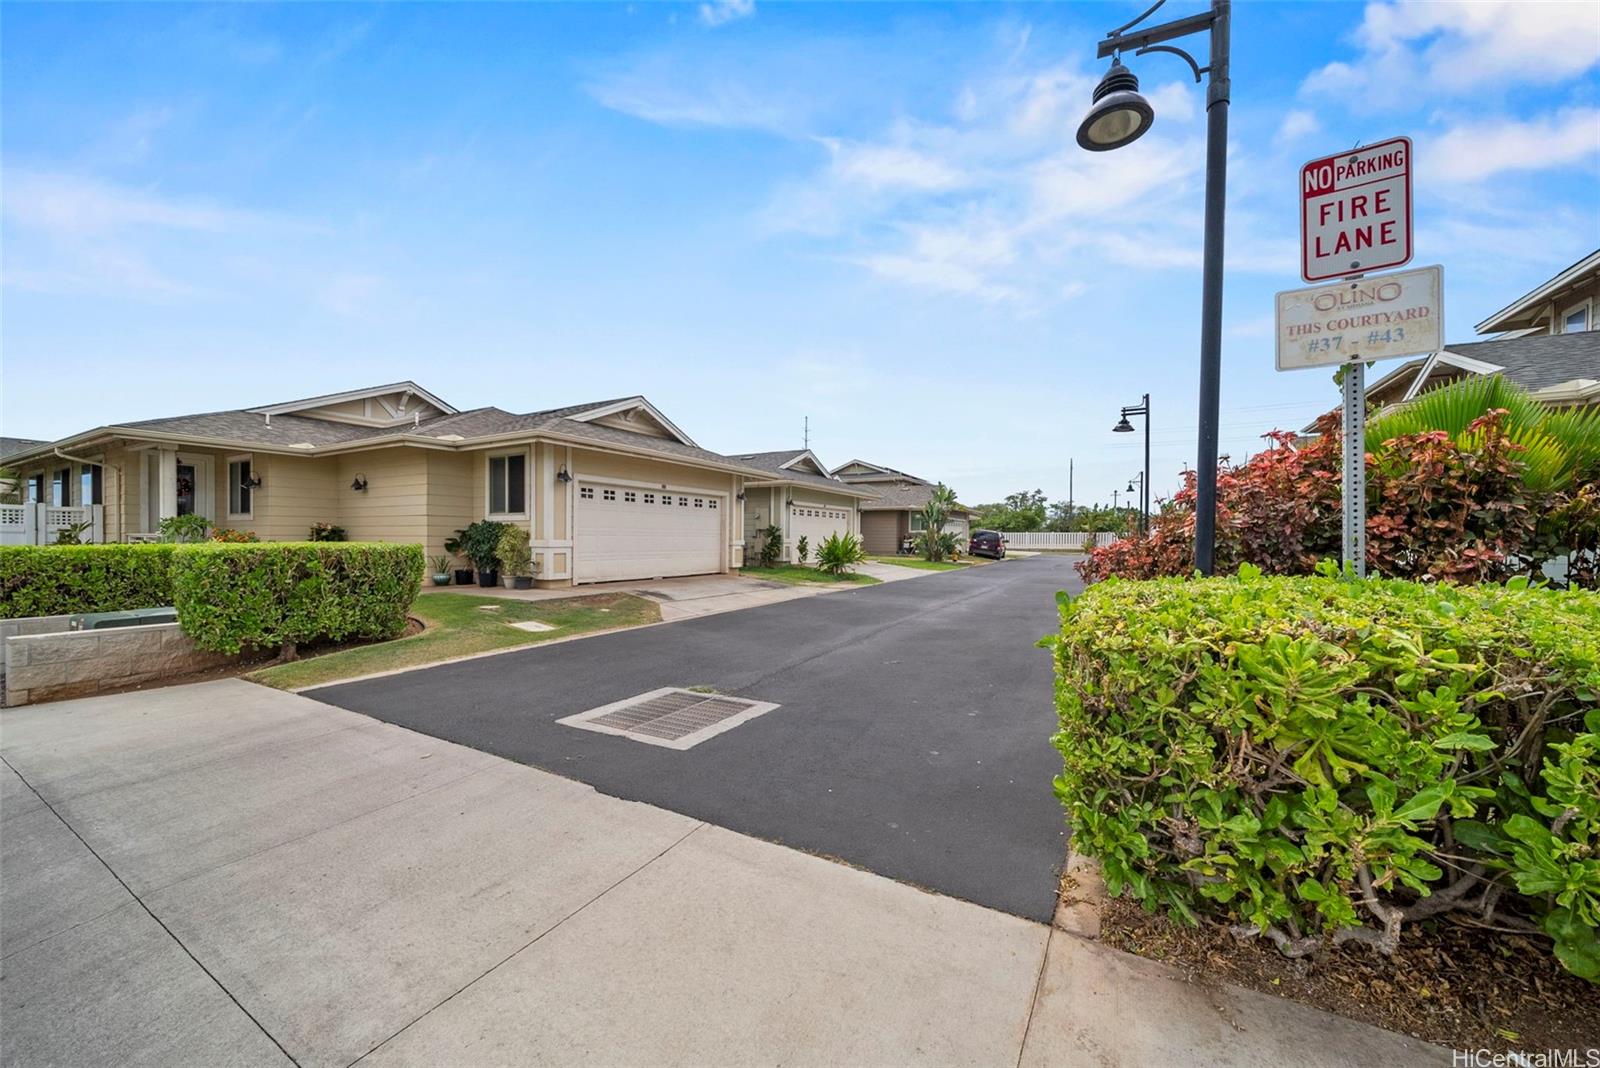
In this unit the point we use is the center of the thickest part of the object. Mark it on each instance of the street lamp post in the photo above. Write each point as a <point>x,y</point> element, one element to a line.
<point>1125,427</point>
<point>1119,116</point>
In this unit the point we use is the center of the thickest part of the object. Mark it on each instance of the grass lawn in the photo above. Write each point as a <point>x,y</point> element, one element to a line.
<point>923,565</point>
<point>796,575</point>
<point>459,625</point>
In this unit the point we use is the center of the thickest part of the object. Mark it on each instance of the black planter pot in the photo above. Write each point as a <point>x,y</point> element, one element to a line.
<point>488,578</point>
<point>522,582</point>
<point>463,576</point>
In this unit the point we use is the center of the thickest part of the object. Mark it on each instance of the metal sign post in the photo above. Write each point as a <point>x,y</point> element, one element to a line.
<point>1354,542</point>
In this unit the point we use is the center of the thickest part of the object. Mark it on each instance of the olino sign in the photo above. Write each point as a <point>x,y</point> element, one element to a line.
<point>1355,218</point>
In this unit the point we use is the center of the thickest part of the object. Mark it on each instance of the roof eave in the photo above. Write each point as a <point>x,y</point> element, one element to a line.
<point>1540,294</point>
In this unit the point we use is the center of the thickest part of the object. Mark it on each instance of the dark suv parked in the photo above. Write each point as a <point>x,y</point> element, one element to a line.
<point>987,543</point>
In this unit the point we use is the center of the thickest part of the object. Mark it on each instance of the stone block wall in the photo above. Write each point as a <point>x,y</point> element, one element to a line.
<point>49,667</point>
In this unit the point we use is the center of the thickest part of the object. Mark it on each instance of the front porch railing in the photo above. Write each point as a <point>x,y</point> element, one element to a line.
<point>42,524</point>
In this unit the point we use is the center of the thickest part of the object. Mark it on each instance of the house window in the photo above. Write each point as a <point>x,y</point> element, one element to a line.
<point>1575,320</point>
<point>241,497</point>
<point>36,489</point>
<point>918,523</point>
<point>508,484</point>
<point>91,484</point>
<point>61,487</point>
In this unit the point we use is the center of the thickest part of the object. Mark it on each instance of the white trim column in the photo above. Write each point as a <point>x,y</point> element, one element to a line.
<point>167,483</point>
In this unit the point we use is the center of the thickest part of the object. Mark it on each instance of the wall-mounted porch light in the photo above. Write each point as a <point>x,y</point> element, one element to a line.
<point>563,476</point>
<point>359,484</point>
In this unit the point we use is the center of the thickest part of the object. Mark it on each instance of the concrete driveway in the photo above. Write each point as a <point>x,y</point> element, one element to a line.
<point>223,874</point>
<point>912,737</point>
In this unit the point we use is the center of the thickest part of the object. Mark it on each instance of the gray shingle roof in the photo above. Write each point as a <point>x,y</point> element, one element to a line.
<point>11,445</point>
<point>774,461</point>
<point>1537,362</point>
<point>243,426</point>
<point>888,474</point>
<point>903,496</point>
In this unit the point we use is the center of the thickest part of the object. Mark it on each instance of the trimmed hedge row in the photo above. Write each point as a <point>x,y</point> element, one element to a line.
<point>49,580</point>
<point>1320,760</point>
<point>280,594</point>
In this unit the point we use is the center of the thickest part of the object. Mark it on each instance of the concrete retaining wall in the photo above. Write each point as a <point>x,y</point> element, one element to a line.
<point>51,666</point>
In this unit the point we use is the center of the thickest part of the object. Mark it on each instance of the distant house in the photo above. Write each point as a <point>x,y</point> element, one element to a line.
<point>801,499</point>
<point>1547,341</point>
<point>896,512</point>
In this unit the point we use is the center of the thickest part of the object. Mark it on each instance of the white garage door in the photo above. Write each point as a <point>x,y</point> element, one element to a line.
<point>624,532</point>
<point>815,522</point>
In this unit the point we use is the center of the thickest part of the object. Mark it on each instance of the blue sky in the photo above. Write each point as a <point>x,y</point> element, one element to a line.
<point>872,215</point>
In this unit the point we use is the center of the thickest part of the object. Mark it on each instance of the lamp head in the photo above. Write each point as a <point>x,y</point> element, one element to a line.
<point>1123,426</point>
<point>1119,115</point>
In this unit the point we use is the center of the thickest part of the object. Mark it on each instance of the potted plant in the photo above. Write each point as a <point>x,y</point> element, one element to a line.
<point>479,542</point>
<point>441,571</point>
<point>515,557</point>
<point>452,545</point>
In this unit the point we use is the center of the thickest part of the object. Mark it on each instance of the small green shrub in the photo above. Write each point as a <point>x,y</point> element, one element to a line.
<point>838,553</point>
<point>513,553</point>
<point>326,532</point>
<point>1323,760</point>
<point>281,594</point>
<point>802,548</point>
<point>49,580</point>
<point>771,550</point>
<point>184,528</point>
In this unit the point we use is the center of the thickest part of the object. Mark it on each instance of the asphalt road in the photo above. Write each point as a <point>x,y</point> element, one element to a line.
<point>913,738</point>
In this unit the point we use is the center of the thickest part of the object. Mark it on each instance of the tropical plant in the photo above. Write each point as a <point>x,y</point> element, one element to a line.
<point>1557,447</point>
<point>1320,761</point>
<point>771,548</point>
<point>838,553</point>
<point>180,528</point>
<point>480,543</point>
<point>72,533</point>
<point>934,515</point>
<point>326,532</point>
<point>802,549</point>
<point>441,564</point>
<point>513,553</point>
<point>1022,511</point>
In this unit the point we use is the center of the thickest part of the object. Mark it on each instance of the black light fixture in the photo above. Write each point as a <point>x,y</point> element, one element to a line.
<point>1119,115</point>
<point>1123,426</point>
<point>563,476</point>
<point>740,495</point>
<point>359,484</point>
<point>250,481</point>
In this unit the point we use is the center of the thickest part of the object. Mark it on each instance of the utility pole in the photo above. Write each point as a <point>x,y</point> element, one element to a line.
<point>807,432</point>
<point>1070,509</point>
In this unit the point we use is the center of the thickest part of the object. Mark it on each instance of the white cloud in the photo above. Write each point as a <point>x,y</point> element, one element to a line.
<point>719,12</point>
<point>890,167</point>
<point>70,204</point>
<point>1295,125</point>
<point>1472,152</point>
<point>1455,46</point>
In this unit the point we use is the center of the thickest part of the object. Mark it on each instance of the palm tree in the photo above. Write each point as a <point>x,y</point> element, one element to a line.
<point>934,516</point>
<point>1561,446</point>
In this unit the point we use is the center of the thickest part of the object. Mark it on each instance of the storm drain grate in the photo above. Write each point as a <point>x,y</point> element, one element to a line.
<point>670,717</point>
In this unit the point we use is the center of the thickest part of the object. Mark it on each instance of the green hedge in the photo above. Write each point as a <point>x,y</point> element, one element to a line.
<point>48,580</point>
<point>279,594</point>
<point>1321,760</point>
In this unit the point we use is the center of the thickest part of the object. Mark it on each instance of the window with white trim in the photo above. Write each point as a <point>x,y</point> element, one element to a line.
<point>241,495</point>
<point>91,484</point>
<point>1577,319</point>
<point>61,487</point>
<point>508,484</point>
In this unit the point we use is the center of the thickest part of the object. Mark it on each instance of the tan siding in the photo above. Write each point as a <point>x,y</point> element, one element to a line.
<point>641,423</point>
<point>394,505</point>
<point>450,497</point>
<point>295,493</point>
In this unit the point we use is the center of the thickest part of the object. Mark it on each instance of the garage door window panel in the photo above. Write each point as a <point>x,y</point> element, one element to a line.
<point>508,484</point>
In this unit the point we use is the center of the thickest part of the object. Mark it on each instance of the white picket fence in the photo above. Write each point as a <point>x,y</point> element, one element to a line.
<point>41,524</point>
<point>1068,540</point>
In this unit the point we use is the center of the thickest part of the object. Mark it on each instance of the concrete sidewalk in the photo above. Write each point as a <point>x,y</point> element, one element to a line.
<point>223,873</point>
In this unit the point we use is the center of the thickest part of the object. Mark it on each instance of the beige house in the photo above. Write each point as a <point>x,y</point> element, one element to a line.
<point>800,498</point>
<point>895,514</point>
<point>607,491</point>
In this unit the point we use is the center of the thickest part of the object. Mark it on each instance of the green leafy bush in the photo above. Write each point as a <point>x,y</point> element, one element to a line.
<point>1323,760</point>
<point>326,532</point>
<point>838,553</point>
<point>771,546</point>
<point>480,543</point>
<point>183,528</point>
<point>802,549</point>
<point>48,580</point>
<point>513,553</point>
<point>280,594</point>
